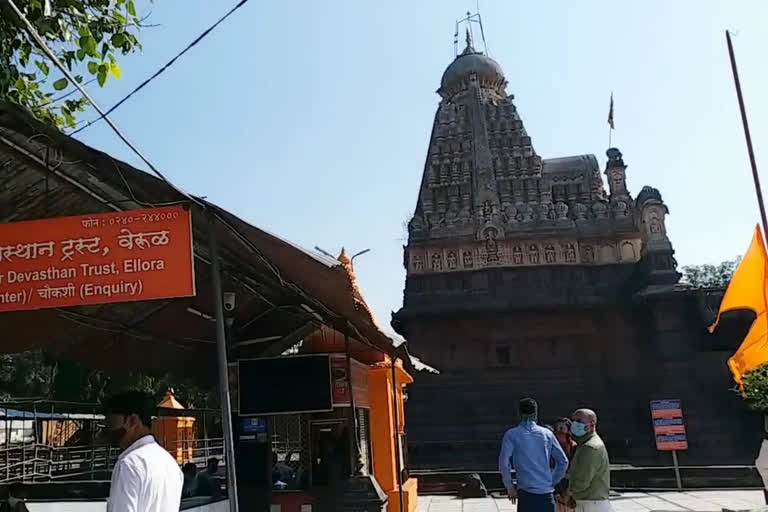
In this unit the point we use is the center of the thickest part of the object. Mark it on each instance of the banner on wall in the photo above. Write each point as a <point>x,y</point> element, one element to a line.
<point>96,259</point>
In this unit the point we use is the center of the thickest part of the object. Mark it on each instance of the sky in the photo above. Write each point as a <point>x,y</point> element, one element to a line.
<point>312,119</point>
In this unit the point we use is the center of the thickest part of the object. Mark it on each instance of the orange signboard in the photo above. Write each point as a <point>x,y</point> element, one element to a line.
<point>668,425</point>
<point>96,259</point>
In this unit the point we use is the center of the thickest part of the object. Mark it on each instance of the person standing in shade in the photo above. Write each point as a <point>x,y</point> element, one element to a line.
<point>537,458</point>
<point>207,483</point>
<point>589,479</point>
<point>146,478</point>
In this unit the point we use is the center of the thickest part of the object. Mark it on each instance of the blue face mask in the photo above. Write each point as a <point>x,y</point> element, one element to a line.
<point>578,429</point>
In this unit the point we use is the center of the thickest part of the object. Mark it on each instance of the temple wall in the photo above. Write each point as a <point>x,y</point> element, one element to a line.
<point>615,359</point>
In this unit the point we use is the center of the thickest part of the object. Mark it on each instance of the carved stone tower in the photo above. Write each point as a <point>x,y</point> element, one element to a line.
<point>513,261</point>
<point>488,201</point>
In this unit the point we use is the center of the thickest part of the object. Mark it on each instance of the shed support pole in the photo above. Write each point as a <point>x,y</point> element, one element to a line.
<point>221,349</point>
<point>396,418</point>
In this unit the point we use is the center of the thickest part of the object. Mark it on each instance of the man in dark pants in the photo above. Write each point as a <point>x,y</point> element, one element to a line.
<point>530,449</point>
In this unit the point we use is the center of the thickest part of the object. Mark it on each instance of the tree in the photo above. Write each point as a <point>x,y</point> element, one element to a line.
<point>86,35</point>
<point>33,374</point>
<point>710,276</point>
<point>756,389</point>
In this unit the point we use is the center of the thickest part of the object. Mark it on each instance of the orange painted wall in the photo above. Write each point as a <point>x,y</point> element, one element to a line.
<point>383,435</point>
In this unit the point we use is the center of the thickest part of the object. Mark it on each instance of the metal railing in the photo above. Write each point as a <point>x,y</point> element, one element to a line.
<point>35,462</point>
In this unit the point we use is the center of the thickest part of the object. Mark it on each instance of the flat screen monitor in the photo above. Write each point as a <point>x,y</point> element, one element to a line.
<point>285,385</point>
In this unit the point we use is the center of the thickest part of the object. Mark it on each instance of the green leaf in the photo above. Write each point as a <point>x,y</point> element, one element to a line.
<point>60,84</point>
<point>131,8</point>
<point>118,40</point>
<point>102,78</point>
<point>114,69</point>
<point>104,50</point>
<point>88,43</point>
<point>42,66</point>
<point>93,67</point>
<point>80,54</point>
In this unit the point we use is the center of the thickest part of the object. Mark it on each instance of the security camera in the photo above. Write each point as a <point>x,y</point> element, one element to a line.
<point>229,301</point>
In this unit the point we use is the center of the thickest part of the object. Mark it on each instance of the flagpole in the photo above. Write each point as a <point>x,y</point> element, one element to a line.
<point>752,162</point>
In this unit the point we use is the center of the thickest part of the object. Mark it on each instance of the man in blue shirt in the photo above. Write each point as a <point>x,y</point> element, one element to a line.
<point>531,450</point>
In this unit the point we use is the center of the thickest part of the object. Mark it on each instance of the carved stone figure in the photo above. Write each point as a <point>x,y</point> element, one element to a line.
<point>467,259</point>
<point>510,213</point>
<point>587,254</point>
<point>524,213</point>
<point>654,224</point>
<point>580,211</point>
<point>437,262</point>
<point>452,260</point>
<point>561,211</point>
<point>570,253</point>
<point>543,211</point>
<point>600,210</point>
<point>550,256</point>
<point>418,263</point>
<point>533,254</point>
<point>517,255</point>
<point>620,209</point>
<point>491,246</point>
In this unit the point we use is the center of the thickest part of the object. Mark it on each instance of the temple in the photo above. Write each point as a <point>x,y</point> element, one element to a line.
<point>526,276</point>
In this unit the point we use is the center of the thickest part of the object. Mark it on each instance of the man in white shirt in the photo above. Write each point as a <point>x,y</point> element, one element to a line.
<point>146,478</point>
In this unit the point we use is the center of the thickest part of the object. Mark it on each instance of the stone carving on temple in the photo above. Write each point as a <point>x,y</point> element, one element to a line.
<point>587,254</point>
<point>580,211</point>
<point>533,254</point>
<point>561,211</point>
<point>467,259</point>
<point>437,262</point>
<point>628,252</point>
<point>517,255</point>
<point>491,245</point>
<point>418,263</point>
<point>452,260</point>
<point>570,253</point>
<point>550,256</point>
<point>600,210</point>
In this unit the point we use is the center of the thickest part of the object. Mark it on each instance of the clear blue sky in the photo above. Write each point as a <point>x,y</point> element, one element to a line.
<point>311,119</point>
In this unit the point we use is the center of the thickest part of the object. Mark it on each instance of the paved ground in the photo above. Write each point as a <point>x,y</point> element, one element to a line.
<point>696,501</point>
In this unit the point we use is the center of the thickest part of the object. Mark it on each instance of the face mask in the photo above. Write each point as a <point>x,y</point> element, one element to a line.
<point>578,429</point>
<point>114,435</point>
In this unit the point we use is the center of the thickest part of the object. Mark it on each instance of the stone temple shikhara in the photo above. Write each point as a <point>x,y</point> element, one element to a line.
<point>527,276</point>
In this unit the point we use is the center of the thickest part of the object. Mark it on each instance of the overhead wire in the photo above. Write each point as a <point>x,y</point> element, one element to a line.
<point>203,204</point>
<point>162,69</point>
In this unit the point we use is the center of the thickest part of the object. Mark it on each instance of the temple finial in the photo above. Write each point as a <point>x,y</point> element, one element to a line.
<point>469,38</point>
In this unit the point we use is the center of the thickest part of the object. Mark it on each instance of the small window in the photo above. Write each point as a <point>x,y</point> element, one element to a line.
<point>502,356</point>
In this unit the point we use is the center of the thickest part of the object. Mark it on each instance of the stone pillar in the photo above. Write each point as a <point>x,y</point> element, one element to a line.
<point>657,254</point>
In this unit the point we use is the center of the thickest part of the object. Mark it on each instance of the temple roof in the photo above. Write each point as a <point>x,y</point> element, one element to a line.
<point>468,62</point>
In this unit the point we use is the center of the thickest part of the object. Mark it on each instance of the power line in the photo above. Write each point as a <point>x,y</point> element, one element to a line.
<point>47,51</point>
<point>162,69</point>
<point>202,204</point>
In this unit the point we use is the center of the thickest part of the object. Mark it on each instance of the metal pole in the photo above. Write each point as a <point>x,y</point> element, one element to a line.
<point>221,346</point>
<point>750,151</point>
<point>398,458</point>
<point>354,444</point>
<point>677,471</point>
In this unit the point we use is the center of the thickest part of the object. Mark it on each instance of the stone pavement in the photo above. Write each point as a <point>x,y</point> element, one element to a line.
<point>692,501</point>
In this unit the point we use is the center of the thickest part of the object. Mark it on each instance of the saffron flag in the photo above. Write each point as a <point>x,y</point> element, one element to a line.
<point>610,113</point>
<point>747,290</point>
